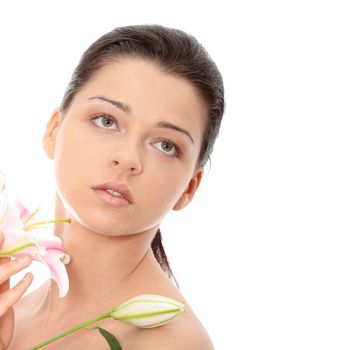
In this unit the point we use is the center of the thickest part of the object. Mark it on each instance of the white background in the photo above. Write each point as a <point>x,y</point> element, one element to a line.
<point>262,253</point>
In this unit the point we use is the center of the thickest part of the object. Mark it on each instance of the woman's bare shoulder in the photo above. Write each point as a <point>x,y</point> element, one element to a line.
<point>186,332</point>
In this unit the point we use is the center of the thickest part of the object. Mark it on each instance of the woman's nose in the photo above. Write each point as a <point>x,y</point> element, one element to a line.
<point>133,169</point>
<point>127,158</point>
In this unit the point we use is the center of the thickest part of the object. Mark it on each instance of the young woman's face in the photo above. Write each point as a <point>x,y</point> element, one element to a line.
<point>126,141</point>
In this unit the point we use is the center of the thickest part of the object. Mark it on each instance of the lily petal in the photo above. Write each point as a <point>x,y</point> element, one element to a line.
<point>58,272</point>
<point>3,206</point>
<point>2,182</point>
<point>24,213</point>
<point>54,242</point>
<point>10,224</point>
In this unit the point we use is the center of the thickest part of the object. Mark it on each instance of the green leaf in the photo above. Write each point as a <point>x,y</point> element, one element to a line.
<point>111,339</point>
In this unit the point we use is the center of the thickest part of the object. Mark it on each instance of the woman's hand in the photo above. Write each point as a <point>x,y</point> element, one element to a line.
<point>9,297</point>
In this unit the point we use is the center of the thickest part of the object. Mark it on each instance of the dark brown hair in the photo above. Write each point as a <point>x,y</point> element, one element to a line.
<point>176,53</point>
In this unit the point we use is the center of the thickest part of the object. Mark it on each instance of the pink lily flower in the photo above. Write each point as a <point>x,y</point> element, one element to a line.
<point>15,224</point>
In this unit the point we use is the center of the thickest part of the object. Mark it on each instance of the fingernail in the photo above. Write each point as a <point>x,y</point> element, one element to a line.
<point>22,259</point>
<point>26,277</point>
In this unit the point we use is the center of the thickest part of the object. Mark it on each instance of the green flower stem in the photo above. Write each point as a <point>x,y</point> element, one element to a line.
<point>39,223</point>
<point>71,330</point>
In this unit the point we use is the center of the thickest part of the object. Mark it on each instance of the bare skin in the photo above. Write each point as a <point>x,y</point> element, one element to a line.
<point>110,248</point>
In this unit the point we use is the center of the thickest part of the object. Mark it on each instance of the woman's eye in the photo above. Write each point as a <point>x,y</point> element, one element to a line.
<point>169,148</point>
<point>166,146</point>
<point>106,121</point>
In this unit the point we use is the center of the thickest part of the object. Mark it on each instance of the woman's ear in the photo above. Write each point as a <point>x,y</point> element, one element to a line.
<point>191,189</point>
<point>49,138</point>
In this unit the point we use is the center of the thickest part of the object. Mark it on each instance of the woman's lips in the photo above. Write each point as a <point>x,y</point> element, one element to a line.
<point>116,202</point>
<point>116,187</point>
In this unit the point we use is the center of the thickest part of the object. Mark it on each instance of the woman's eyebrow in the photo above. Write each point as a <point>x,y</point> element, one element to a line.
<point>127,109</point>
<point>167,125</point>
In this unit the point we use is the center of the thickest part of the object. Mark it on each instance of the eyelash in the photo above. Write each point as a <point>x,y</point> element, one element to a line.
<point>108,116</point>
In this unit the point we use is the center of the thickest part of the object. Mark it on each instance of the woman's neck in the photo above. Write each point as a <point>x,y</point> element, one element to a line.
<point>104,271</point>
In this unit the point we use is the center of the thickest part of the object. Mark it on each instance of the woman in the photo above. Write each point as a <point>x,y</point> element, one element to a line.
<point>140,116</point>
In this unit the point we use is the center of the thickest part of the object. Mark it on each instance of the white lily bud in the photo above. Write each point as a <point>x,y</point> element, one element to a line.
<point>148,310</point>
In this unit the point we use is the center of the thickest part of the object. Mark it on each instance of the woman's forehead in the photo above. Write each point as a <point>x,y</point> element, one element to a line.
<point>138,74</point>
<point>140,86</point>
